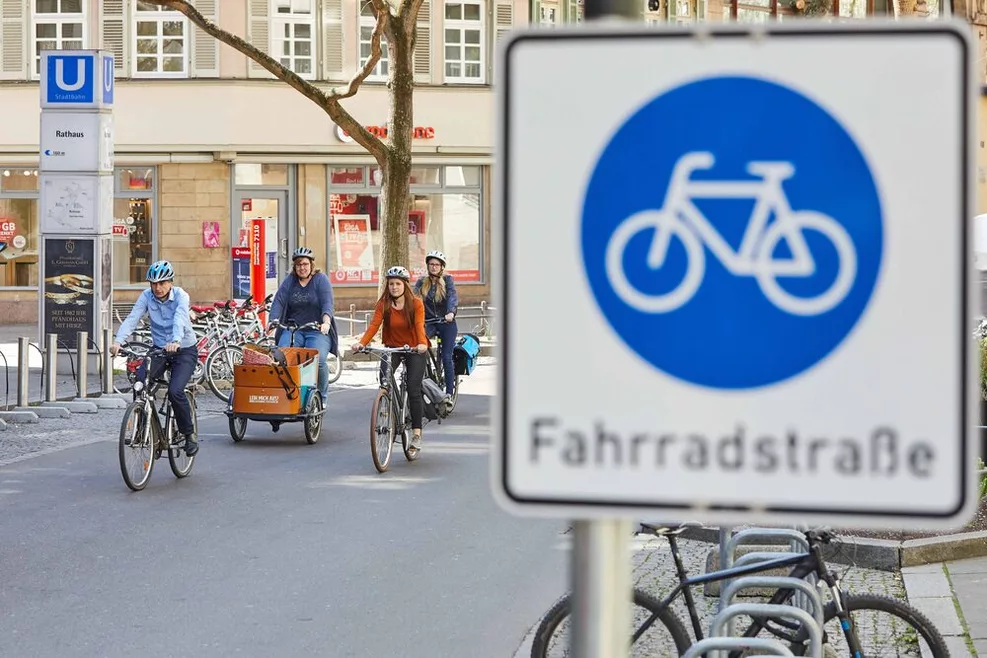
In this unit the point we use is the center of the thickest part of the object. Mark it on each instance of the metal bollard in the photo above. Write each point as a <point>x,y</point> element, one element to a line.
<point>107,362</point>
<point>23,370</point>
<point>51,359</point>
<point>82,359</point>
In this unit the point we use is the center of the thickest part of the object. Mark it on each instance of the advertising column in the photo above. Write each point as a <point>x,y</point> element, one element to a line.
<point>76,188</point>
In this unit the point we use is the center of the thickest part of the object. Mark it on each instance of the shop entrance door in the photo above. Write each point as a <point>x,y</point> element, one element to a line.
<point>268,211</point>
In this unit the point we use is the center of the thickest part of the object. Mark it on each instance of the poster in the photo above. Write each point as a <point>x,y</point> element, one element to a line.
<point>241,272</point>
<point>69,268</point>
<point>258,259</point>
<point>354,247</point>
<point>106,281</point>
<point>210,235</point>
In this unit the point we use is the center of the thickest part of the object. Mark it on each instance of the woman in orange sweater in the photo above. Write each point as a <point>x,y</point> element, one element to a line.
<point>403,316</point>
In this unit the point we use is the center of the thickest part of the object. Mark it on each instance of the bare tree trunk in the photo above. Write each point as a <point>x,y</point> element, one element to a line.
<point>395,199</point>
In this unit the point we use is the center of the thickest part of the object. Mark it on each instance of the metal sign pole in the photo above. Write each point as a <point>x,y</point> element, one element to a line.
<point>601,574</point>
<point>601,579</point>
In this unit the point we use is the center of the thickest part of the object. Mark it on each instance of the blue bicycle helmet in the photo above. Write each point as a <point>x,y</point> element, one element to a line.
<point>303,252</point>
<point>160,271</point>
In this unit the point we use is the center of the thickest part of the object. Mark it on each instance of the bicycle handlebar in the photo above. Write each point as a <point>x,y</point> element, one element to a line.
<point>374,349</point>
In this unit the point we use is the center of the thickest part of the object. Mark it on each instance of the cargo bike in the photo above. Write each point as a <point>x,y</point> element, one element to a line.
<point>277,385</point>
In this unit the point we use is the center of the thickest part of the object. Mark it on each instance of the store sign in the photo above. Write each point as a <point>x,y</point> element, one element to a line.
<point>76,142</point>
<point>69,267</point>
<point>76,79</point>
<point>418,132</point>
<point>241,272</point>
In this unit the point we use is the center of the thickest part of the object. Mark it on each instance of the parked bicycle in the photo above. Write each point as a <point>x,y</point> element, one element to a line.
<point>147,431</point>
<point>848,631</point>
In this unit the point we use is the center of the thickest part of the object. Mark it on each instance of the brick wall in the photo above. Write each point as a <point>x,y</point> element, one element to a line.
<point>191,194</point>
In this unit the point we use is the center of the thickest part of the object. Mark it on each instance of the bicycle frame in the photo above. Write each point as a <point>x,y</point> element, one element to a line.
<point>768,195</point>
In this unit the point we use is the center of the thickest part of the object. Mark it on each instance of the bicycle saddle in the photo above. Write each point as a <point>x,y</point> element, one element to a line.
<point>201,309</point>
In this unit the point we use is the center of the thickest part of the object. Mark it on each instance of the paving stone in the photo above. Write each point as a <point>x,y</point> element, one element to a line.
<point>941,611</point>
<point>927,585</point>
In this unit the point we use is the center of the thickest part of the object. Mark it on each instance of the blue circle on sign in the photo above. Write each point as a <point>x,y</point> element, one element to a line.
<point>732,233</point>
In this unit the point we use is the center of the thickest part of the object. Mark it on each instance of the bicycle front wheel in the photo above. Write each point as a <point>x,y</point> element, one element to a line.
<point>136,446</point>
<point>381,431</point>
<point>181,463</point>
<point>883,626</point>
<point>655,631</point>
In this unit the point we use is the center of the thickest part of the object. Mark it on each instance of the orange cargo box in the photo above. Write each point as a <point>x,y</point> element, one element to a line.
<point>302,367</point>
<point>272,400</point>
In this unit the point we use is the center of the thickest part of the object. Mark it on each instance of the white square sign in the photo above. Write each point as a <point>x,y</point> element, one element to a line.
<point>735,273</point>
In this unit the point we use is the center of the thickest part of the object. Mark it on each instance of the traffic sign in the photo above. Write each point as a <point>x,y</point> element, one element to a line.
<point>76,79</point>
<point>757,306</point>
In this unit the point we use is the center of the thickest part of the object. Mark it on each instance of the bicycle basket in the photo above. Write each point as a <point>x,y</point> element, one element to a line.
<point>256,355</point>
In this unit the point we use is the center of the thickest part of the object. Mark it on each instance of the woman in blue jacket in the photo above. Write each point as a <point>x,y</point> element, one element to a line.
<point>438,291</point>
<point>305,296</point>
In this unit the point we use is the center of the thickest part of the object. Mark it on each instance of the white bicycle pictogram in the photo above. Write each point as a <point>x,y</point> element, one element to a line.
<point>680,217</point>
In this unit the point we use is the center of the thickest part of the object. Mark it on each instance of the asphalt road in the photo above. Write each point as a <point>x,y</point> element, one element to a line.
<point>273,547</point>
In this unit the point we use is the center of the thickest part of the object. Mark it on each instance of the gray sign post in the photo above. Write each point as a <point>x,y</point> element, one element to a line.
<point>76,192</point>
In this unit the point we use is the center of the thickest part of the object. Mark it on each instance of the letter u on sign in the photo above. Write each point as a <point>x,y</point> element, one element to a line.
<point>70,78</point>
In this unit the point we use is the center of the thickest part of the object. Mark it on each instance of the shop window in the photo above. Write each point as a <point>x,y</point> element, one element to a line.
<point>438,218</point>
<point>347,176</point>
<point>248,174</point>
<point>58,25</point>
<point>133,240</point>
<point>292,35</point>
<point>18,241</point>
<point>368,20</point>
<point>19,180</point>
<point>161,47</point>
<point>426,176</point>
<point>136,179</point>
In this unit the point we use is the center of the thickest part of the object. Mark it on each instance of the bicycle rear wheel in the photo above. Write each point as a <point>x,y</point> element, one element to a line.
<point>658,631</point>
<point>404,426</point>
<point>335,363</point>
<point>181,463</point>
<point>884,627</point>
<point>381,430</point>
<point>219,370</point>
<point>136,446</point>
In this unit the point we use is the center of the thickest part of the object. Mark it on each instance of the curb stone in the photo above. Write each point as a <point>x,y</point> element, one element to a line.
<point>3,424</point>
<point>53,411</point>
<point>19,416</point>
<point>74,407</point>
<point>880,554</point>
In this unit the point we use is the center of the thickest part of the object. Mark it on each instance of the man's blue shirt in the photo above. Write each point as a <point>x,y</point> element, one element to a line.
<point>170,320</point>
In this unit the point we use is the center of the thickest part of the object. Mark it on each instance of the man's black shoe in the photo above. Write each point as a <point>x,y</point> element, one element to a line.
<point>191,445</point>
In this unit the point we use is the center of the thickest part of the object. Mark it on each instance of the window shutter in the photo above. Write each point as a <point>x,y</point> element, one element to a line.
<point>423,44</point>
<point>503,18</point>
<point>700,11</point>
<point>205,49</point>
<point>13,41</point>
<point>113,35</point>
<point>259,35</point>
<point>535,15</point>
<point>332,39</point>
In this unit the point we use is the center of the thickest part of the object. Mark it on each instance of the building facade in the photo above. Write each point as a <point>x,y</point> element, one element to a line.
<point>208,143</point>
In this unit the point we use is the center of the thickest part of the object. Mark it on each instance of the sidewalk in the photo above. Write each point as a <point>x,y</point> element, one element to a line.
<point>954,596</point>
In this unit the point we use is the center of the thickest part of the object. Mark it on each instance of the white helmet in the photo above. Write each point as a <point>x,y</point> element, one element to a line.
<point>436,254</point>
<point>398,272</point>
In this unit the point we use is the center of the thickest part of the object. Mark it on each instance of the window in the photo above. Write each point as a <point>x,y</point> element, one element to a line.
<point>18,227</point>
<point>161,45</point>
<point>367,22</point>
<point>548,14</point>
<point>134,225</point>
<point>58,25</point>
<point>464,42</point>
<point>292,34</point>
<point>445,214</point>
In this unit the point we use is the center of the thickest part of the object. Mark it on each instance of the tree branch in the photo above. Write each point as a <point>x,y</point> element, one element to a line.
<point>328,102</point>
<point>339,93</point>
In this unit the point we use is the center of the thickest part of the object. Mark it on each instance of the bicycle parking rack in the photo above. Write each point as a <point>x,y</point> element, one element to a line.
<point>778,582</point>
<point>768,610</point>
<point>772,647</point>
<point>729,542</point>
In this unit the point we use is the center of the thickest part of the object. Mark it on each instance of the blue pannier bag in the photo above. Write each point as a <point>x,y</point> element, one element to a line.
<point>465,353</point>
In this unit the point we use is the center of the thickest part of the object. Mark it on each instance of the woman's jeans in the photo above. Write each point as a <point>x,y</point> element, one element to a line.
<point>415,366</point>
<point>448,332</point>
<point>315,340</point>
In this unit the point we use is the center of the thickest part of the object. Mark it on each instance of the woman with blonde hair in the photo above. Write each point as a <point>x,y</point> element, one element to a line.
<point>438,292</point>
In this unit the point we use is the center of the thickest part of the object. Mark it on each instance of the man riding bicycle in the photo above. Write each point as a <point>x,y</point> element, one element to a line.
<point>171,330</point>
